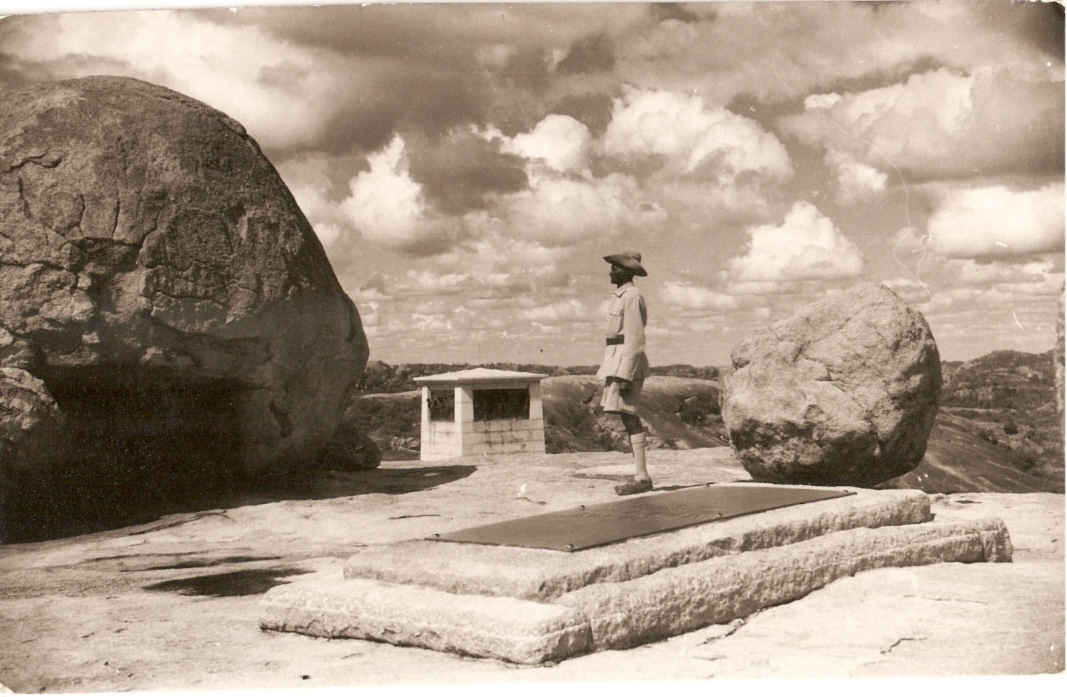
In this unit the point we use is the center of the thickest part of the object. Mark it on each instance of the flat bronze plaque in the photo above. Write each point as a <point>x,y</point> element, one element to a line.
<point>605,523</point>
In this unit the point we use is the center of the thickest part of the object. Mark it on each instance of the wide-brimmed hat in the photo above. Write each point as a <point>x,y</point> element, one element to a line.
<point>628,260</point>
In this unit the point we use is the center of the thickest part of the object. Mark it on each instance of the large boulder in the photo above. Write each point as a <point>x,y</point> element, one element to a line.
<point>1057,359</point>
<point>160,282</point>
<point>844,392</point>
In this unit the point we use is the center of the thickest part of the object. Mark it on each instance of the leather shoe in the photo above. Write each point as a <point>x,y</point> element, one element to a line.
<point>633,486</point>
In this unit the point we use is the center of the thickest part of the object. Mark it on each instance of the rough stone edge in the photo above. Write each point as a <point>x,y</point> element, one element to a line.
<point>618,615</point>
<point>511,629</point>
<point>716,591</point>
<point>545,574</point>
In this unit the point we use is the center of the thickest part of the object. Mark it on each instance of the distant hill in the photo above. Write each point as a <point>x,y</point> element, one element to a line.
<point>380,377</point>
<point>997,428</point>
<point>1008,400</point>
<point>1012,380</point>
<point>957,460</point>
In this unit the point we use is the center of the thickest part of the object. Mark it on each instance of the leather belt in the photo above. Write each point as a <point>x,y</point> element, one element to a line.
<point>615,340</point>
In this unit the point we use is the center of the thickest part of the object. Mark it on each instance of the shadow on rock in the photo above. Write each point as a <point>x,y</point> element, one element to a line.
<point>201,563</point>
<point>333,484</point>
<point>67,510</point>
<point>234,583</point>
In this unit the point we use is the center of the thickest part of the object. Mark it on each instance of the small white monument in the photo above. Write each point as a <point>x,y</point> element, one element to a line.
<point>481,412</point>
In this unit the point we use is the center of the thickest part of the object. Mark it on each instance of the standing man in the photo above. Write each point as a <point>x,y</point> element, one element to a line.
<point>625,364</point>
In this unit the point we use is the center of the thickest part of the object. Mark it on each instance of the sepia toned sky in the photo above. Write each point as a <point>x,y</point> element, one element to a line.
<point>467,166</point>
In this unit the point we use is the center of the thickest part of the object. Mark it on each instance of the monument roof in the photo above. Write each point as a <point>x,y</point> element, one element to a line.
<point>477,375</point>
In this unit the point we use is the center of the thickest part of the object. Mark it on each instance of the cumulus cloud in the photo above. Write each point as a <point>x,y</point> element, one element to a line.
<point>821,101</point>
<point>326,91</point>
<point>995,221</point>
<point>565,203</point>
<point>283,94</point>
<point>942,123</point>
<point>339,76</point>
<point>571,309</point>
<point>820,44</point>
<point>374,283</point>
<point>974,273</point>
<point>385,203</point>
<point>806,246</point>
<point>561,142</point>
<point>948,298</point>
<point>993,299</point>
<point>1027,288</point>
<point>691,137</point>
<point>369,314</point>
<point>425,281</point>
<point>475,211</point>
<point>430,323</point>
<point>310,184</point>
<point>910,290</point>
<point>769,288</point>
<point>520,153</point>
<point>560,211</point>
<point>696,297</point>
<point>495,247</point>
<point>434,287</point>
<point>856,181</point>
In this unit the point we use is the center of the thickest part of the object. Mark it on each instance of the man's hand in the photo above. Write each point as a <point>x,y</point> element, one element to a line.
<point>624,386</point>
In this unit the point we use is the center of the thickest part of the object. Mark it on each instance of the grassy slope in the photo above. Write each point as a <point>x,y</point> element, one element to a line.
<point>957,460</point>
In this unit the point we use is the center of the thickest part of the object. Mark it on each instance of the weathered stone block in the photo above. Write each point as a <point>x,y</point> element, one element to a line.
<point>520,631</point>
<point>715,591</point>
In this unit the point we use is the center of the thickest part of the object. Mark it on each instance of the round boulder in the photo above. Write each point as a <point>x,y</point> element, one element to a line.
<point>350,450</point>
<point>161,282</point>
<point>844,392</point>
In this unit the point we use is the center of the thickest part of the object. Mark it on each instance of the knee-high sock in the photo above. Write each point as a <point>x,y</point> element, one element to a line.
<point>637,445</point>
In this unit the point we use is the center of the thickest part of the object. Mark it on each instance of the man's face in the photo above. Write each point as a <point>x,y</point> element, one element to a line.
<point>619,274</point>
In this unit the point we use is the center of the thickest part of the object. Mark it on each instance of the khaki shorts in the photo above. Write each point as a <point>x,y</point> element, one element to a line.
<point>614,401</point>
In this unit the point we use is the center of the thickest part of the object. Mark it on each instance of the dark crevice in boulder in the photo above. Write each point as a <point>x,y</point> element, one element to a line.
<point>140,442</point>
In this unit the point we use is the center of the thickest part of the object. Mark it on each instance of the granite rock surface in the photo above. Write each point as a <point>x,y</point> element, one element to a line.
<point>78,617</point>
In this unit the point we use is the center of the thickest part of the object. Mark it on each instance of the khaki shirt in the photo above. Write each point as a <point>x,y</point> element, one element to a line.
<point>627,316</point>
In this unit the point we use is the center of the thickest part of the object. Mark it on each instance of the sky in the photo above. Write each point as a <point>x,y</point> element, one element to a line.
<point>468,166</point>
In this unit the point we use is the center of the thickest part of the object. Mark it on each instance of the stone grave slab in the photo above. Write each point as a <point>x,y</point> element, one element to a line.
<point>539,574</point>
<point>529,605</point>
<point>604,523</point>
